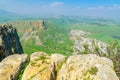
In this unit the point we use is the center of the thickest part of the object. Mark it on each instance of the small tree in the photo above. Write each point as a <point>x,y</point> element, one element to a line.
<point>114,55</point>
<point>86,51</point>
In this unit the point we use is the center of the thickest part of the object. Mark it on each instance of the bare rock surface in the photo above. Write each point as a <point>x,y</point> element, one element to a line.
<point>11,66</point>
<point>42,66</point>
<point>77,67</point>
<point>87,67</point>
<point>83,43</point>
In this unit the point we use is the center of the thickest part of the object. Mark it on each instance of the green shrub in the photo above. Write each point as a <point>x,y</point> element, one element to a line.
<point>93,70</point>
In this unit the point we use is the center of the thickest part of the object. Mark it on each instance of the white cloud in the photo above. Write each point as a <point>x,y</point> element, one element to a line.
<point>56,4</point>
<point>101,7</point>
<point>91,8</point>
<point>77,7</point>
<point>96,8</point>
<point>114,6</point>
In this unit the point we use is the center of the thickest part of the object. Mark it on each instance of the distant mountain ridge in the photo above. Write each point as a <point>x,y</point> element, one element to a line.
<point>7,16</point>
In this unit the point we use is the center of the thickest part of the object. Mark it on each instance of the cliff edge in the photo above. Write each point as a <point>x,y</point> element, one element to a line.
<point>9,41</point>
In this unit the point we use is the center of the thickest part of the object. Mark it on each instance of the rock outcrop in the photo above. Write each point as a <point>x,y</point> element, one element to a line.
<point>76,67</point>
<point>85,45</point>
<point>43,66</point>
<point>9,41</point>
<point>39,25</point>
<point>57,67</point>
<point>11,66</point>
<point>32,32</point>
<point>87,67</point>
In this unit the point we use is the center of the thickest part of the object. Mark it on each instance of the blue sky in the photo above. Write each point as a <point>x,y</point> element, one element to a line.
<point>100,8</point>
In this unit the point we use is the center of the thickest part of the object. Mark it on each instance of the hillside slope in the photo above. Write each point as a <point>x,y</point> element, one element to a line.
<point>51,39</point>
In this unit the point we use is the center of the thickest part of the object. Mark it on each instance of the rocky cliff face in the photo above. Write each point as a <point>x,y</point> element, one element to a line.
<point>38,25</point>
<point>9,41</point>
<point>58,67</point>
<point>31,33</point>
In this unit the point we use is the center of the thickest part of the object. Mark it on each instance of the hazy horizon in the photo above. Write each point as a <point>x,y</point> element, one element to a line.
<point>101,8</point>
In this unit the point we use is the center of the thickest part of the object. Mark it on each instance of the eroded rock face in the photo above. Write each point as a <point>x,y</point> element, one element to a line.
<point>9,41</point>
<point>11,66</point>
<point>42,66</point>
<point>39,25</point>
<point>31,33</point>
<point>87,67</point>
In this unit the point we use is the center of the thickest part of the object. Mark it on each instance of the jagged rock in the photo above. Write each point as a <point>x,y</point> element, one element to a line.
<point>93,45</point>
<point>75,33</point>
<point>87,67</point>
<point>39,25</point>
<point>9,41</point>
<point>2,52</point>
<point>42,66</point>
<point>11,66</point>
<point>31,34</point>
<point>81,43</point>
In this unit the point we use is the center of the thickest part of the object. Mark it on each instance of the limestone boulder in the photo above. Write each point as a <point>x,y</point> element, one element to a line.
<point>11,66</point>
<point>87,67</point>
<point>42,66</point>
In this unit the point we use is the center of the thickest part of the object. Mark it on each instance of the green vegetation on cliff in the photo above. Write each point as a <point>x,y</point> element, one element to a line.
<point>54,39</point>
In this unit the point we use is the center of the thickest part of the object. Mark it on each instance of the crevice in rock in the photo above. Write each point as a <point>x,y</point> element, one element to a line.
<point>20,74</point>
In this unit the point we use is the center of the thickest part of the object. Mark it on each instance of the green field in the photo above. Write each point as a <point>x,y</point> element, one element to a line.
<point>101,30</point>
